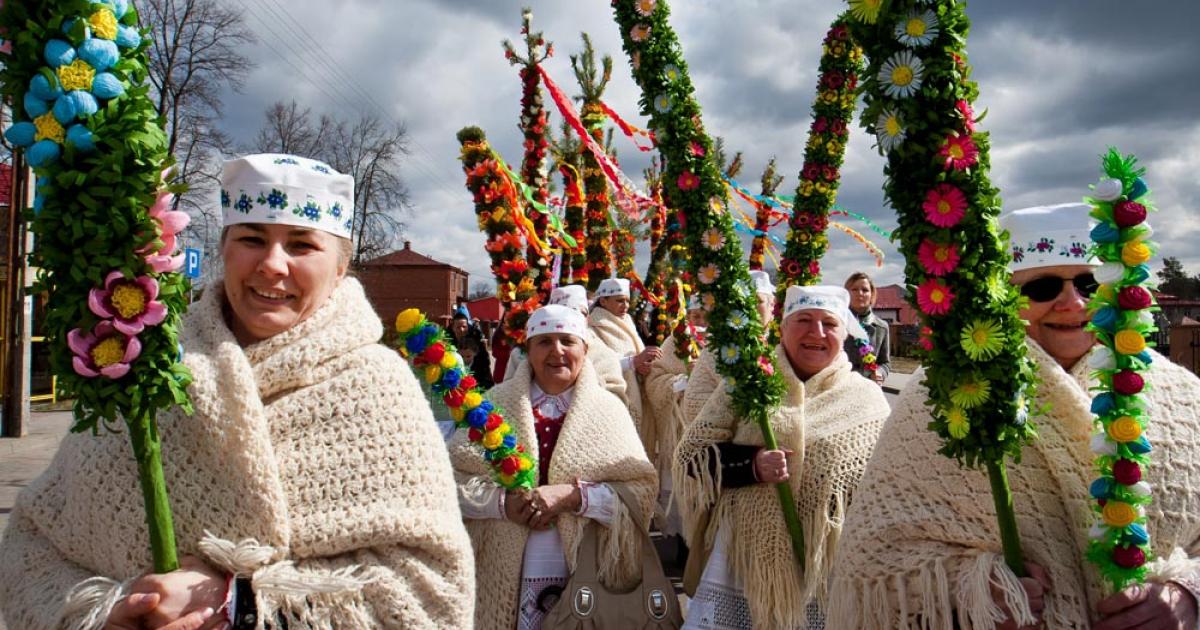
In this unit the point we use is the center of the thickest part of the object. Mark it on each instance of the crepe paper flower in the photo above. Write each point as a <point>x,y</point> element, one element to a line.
<point>170,223</point>
<point>1124,429</point>
<point>866,11</point>
<point>959,152</point>
<point>982,339</point>
<point>1128,383</point>
<point>696,149</point>
<point>713,239</point>
<point>957,423</point>
<point>130,304</point>
<point>1129,341</point>
<point>934,297</point>
<point>1128,557</point>
<point>918,28</point>
<point>767,367</point>
<point>1126,472</point>
<point>730,354</point>
<point>1118,514</point>
<point>937,259</point>
<point>687,181</point>
<point>901,75</point>
<point>889,130</point>
<point>708,301</point>
<point>737,320</point>
<point>645,8</point>
<point>639,33</point>
<point>408,319</point>
<point>1134,298</point>
<point>708,274</point>
<point>945,205</point>
<point>1128,213</point>
<point>971,394</point>
<point>105,351</point>
<point>1108,189</point>
<point>671,72</point>
<point>1135,253</point>
<point>663,103</point>
<point>964,109</point>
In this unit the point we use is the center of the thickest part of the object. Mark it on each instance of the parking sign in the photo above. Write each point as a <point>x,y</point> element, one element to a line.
<point>191,266</point>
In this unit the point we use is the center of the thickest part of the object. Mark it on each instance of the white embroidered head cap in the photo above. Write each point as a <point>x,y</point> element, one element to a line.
<point>832,299</point>
<point>572,296</point>
<point>613,287</point>
<point>762,282</point>
<point>1048,236</point>
<point>287,190</point>
<point>556,318</point>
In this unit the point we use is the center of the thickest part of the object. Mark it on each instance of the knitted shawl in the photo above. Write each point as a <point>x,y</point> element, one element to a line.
<point>922,547</point>
<point>830,422</point>
<point>313,448</point>
<point>620,335</point>
<point>598,443</point>
<point>665,403</point>
<point>702,382</point>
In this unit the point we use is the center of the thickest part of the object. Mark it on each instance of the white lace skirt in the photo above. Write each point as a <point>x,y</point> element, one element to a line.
<point>720,601</point>
<point>544,566</point>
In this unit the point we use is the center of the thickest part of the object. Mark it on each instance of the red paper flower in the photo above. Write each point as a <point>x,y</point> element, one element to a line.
<point>1133,298</point>
<point>1129,557</point>
<point>493,422</point>
<point>687,181</point>
<point>1128,213</point>
<point>937,259</point>
<point>959,152</point>
<point>934,297</point>
<point>467,384</point>
<point>434,353</point>
<point>1128,382</point>
<point>945,205</point>
<point>1127,472</point>
<point>697,149</point>
<point>814,267</point>
<point>820,125</point>
<point>474,435</point>
<point>454,398</point>
<point>925,340</point>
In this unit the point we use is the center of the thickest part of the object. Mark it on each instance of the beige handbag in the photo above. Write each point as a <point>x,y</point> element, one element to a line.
<point>586,603</point>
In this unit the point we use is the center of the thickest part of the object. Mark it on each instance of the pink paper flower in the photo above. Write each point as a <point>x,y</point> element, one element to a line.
<point>937,259</point>
<point>959,152</point>
<point>934,297</point>
<point>945,205</point>
<point>687,181</point>
<point>766,365</point>
<point>105,351</point>
<point>926,338</point>
<point>131,304</point>
<point>170,223</point>
<point>697,149</point>
<point>968,114</point>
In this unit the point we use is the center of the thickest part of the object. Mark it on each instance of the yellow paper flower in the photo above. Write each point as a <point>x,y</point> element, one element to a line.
<point>432,374</point>
<point>958,423</point>
<point>506,479</point>
<point>1135,253</point>
<point>48,128</point>
<point>492,440</point>
<point>449,360</point>
<point>471,400</point>
<point>971,394</point>
<point>104,24</point>
<point>1124,429</point>
<point>866,11</point>
<point>77,75</point>
<point>525,464</point>
<point>457,413</point>
<point>1129,341</point>
<point>407,320</point>
<point>1118,514</point>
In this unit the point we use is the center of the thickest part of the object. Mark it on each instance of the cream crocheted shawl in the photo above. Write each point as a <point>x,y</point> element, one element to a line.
<point>702,382</point>
<point>922,548</point>
<point>665,404</point>
<point>598,443</point>
<point>315,443</point>
<point>620,335</point>
<point>830,421</point>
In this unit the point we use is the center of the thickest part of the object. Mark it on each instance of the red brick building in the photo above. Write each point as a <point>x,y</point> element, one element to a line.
<point>891,306</point>
<point>405,279</point>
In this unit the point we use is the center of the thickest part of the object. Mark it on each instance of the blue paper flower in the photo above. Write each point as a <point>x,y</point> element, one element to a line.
<point>477,418</point>
<point>1103,403</point>
<point>510,441</point>
<point>1100,488</point>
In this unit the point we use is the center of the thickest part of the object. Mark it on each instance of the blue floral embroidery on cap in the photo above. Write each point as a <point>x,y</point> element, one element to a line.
<point>321,168</point>
<point>335,210</point>
<point>225,200</point>
<point>291,161</point>
<point>244,204</point>
<point>310,211</point>
<point>276,199</point>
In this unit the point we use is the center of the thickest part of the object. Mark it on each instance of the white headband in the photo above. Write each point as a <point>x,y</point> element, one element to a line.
<point>832,299</point>
<point>555,318</point>
<point>287,190</point>
<point>613,287</point>
<point>1048,236</point>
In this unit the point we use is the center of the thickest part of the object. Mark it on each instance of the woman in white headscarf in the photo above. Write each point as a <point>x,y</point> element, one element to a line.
<point>311,470</point>
<point>612,325</point>
<point>526,543</point>
<point>937,562</point>
<point>724,476</point>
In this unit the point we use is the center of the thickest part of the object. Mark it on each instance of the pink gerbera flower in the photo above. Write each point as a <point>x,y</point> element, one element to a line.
<point>959,152</point>
<point>934,297</point>
<point>937,259</point>
<point>687,181</point>
<point>945,205</point>
<point>968,114</point>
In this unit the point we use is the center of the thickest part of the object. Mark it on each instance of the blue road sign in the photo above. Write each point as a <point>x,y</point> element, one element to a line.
<point>191,266</point>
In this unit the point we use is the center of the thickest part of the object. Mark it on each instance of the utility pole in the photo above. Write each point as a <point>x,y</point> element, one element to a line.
<point>16,333</point>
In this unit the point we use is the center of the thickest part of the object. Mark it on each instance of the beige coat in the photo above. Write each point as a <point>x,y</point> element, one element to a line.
<point>316,443</point>
<point>922,544</point>
<point>598,443</point>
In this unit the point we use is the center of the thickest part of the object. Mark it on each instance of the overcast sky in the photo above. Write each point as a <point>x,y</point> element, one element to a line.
<point>1060,80</point>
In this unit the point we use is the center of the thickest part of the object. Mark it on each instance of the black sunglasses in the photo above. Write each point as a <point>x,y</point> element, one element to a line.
<point>1047,288</point>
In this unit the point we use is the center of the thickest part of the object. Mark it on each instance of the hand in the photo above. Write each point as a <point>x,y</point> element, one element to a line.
<point>647,357</point>
<point>130,613</point>
<point>770,466</point>
<point>550,501</point>
<point>178,597</point>
<point>1150,606</point>
<point>1036,586</point>
<point>517,507</point>
<point>878,377</point>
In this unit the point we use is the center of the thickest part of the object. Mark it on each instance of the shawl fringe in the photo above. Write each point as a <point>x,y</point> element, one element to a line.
<point>92,600</point>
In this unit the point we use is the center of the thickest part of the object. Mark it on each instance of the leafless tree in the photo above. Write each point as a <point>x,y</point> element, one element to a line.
<point>366,148</point>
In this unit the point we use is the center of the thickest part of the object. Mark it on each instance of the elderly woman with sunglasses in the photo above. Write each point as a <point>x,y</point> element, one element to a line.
<point>922,546</point>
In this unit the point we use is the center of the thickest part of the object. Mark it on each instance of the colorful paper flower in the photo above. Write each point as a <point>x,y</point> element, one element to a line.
<point>170,223</point>
<point>925,338</point>
<point>1124,429</point>
<point>963,107</point>
<point>934,297</point>
<point>708,274</point>
<point>663,103</point>
<point>767,367</point>
<point>713,239</point>
<point>959,152</point>
<point>982,339</point>
<point>738,320</point>
<point>130,304</point>
<point>730,354</point>
<point>919,28</point>
<point>639,33</point>
<point>945,205</point>
<point>937,259</point>
<point>1135,253</point>
<point>645,8</point>
<point>866,11</point>
<point>971,394</point>
<point>889,130</point>
<point>105,351</point>
<point>1118,514</point>
<point>1129,341</point>
<point>687,181</point>
<point>957,423</point>
<point>901,75</point>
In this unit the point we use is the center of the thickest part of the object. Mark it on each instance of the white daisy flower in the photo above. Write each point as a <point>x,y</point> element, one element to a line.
<point>889,130</point>
<point>901,75</point>
<point>919,28</point>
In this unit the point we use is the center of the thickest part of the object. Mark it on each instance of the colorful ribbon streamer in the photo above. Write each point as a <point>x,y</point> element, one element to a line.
<point>629,130</point>
<point>527,192</point>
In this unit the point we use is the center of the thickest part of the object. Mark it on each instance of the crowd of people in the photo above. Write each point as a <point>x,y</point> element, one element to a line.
<point>312,489</point>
